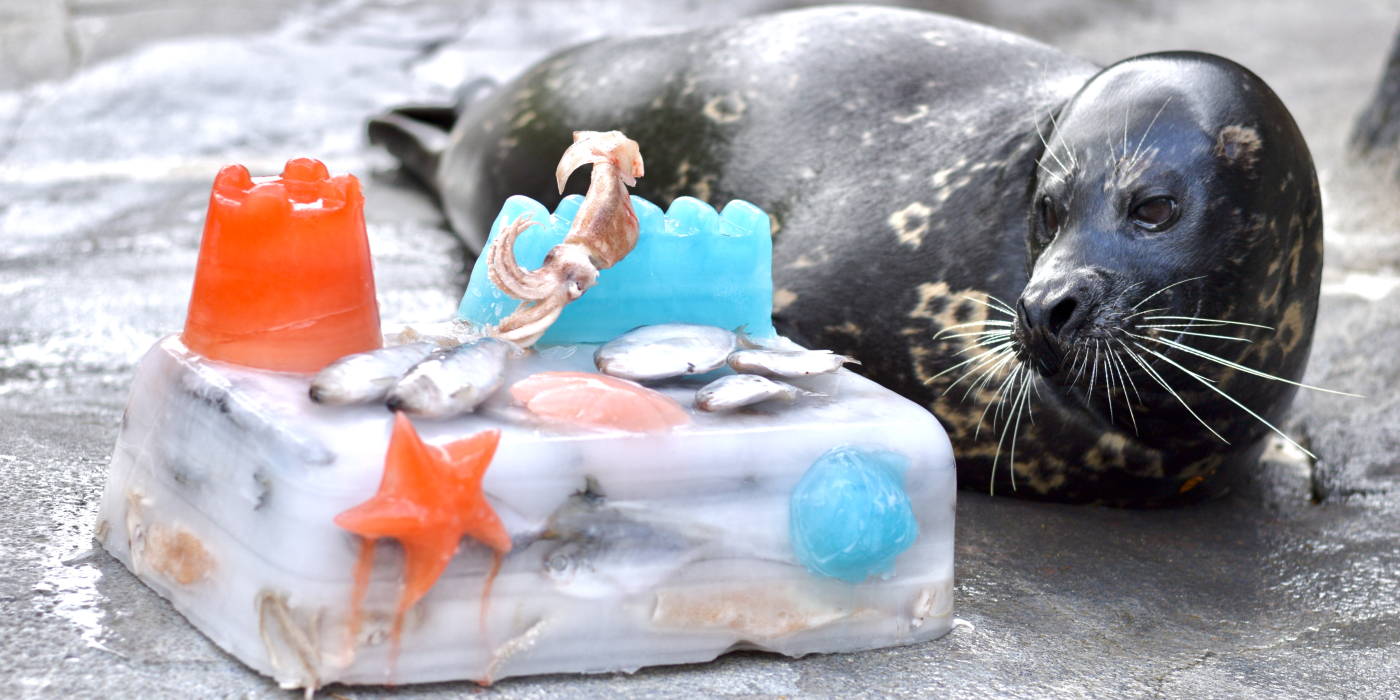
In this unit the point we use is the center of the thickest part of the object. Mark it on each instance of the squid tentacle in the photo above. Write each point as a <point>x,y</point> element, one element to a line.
<point>507,274</point>
<point>529,323</point>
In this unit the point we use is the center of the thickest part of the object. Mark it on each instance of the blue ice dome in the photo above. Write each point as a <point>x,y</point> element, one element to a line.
<point>850,515</point>
<point>691,265</point>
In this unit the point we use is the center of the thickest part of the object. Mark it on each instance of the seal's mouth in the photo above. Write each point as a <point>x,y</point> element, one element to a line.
<point>1037,346</point>
<point>1054,316</point>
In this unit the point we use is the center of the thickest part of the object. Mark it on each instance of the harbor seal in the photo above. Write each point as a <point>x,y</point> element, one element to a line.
<point>1102,281</point>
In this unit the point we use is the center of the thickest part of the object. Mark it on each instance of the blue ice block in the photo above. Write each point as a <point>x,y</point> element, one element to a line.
<point>850,515</point>
<point>691,265</point>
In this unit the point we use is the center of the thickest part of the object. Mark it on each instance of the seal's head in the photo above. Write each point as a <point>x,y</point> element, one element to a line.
<point>1175,254</point>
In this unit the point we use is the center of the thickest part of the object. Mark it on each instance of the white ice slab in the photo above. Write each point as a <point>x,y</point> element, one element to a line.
<point>225,482</point>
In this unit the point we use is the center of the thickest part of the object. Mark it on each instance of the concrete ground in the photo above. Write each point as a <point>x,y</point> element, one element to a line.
<point>115,115</point>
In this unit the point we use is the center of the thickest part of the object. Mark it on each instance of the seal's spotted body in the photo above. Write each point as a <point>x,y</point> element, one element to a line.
<point>902,156</point>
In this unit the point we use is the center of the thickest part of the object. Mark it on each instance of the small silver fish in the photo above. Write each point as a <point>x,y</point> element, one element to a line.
<point>740,390</point>
<point>366,377</point>
<point>667,350</point>
<point>453,381</point>
<point>604,549</point>
<point>787,363</point>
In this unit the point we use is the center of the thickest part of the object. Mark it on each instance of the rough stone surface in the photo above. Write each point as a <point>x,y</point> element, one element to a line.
<point>1287,588</point>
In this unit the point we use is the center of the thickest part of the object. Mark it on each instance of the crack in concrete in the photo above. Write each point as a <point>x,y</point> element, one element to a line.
<point>1162,679</point>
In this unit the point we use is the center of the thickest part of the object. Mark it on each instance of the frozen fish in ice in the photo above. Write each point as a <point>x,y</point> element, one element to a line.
<point>603,549</point>
<point>740,390</point>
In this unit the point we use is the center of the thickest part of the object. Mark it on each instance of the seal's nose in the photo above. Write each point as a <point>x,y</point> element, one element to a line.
<point>1049,315</point>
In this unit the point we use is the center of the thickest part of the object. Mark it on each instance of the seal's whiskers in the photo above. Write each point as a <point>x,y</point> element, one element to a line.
<point>1080,361</point>
<point>1127,116</point>
<point>1094,368</point>
<point>982,380</point>
<point>1045,88</point>
<point>943,332</point>
<point>993,303</point>
<point>1235,365</point>
<point>1107,379</point>
<point>1163,289</point>
<point>1004,347</point>
<point>1057,178</point>
<point>1069,152</point>
<point>1022,401</point>
<point>1126,380</point>
<point>1062,176</point>
<point>1137,152</point>
<point>1202,335</point>
<point>1111,370</point>
<point>976,334</point>
<point>982,369</point>
<point>1211,385</point>
<point>1200,324</point>
<point>1192,320</point>
<point>982,383</point>
<point>1158,378</point>
<point>1135,314</point>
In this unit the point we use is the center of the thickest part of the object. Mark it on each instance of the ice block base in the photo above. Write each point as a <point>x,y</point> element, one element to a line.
<point>630,550</point>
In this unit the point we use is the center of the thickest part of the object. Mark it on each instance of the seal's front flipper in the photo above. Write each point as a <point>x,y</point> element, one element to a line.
<point>417,135</point>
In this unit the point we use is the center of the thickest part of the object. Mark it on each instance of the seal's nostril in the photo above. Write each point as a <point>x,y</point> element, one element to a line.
<point>1060,315</point>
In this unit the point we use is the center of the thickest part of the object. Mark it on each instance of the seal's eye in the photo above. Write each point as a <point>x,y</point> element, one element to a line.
<point>1049,217</point>
<point>1155,214</point>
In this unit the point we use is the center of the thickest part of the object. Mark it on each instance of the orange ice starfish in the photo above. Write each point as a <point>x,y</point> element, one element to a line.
<point>430,496</point>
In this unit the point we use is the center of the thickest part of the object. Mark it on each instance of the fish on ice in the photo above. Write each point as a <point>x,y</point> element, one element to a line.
<point>453,381</point>
<point>366,377</point>
<point>666,350</point>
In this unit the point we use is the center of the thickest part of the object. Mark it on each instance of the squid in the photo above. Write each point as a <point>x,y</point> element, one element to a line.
<point>603,232</point>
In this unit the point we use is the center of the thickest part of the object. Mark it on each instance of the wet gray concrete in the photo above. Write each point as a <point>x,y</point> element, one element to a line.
<point>115,114</point>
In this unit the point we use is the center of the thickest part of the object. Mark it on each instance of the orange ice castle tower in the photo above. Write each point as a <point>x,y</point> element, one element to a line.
<point>284,280</point>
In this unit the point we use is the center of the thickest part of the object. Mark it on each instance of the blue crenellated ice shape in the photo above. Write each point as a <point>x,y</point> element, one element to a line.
<point>850,515</point>
<point>691,265</point>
